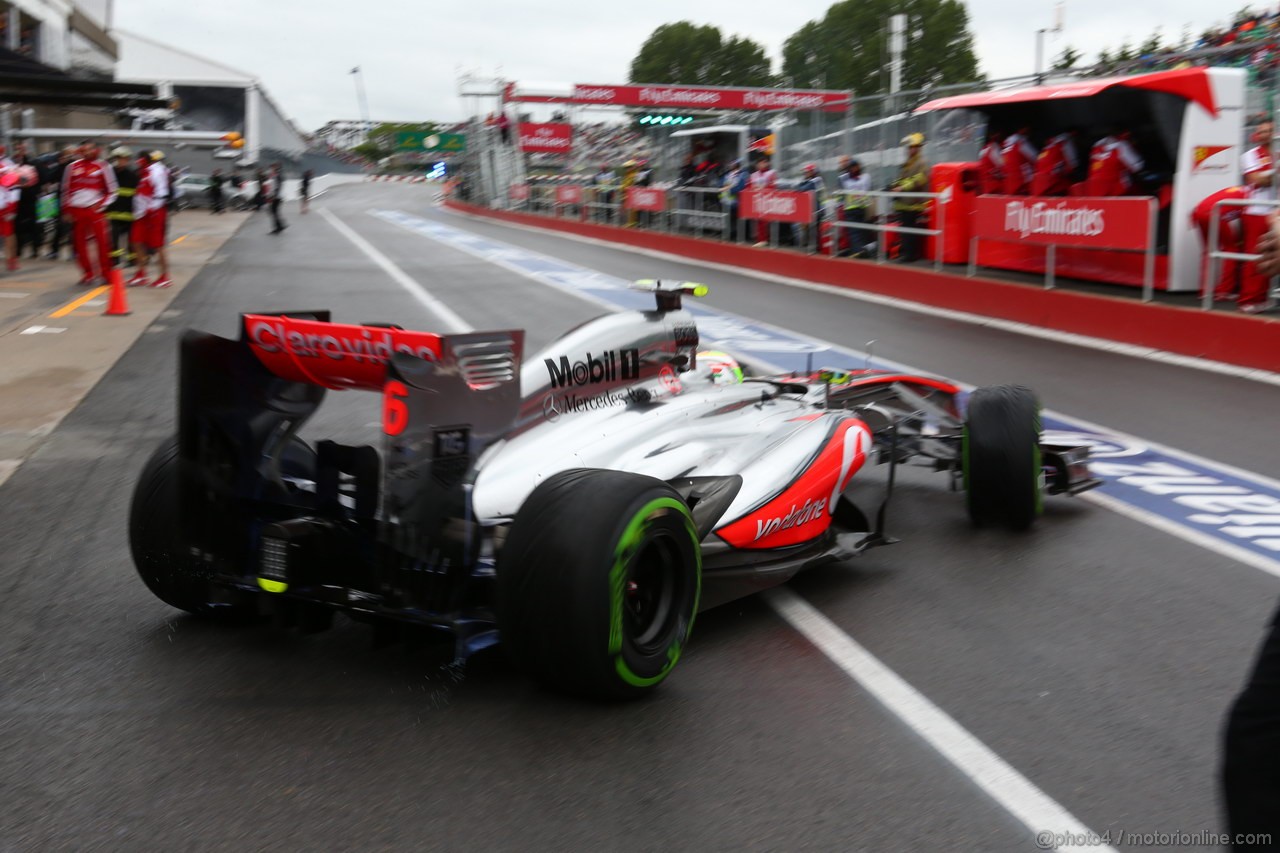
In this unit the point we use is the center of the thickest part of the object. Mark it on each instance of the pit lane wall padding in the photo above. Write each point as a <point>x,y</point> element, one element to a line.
<point>1247,341</point>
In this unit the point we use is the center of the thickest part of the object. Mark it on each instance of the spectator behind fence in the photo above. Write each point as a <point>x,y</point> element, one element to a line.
<point>991,165</point>
<point>763,178</point>
<point>1258,167</point>
<point>1056,167</point>
<point>912,177</point>
<point>810,182</point>
<point>854,241</point>
<point>1019,162</point>
<point>731,187</point>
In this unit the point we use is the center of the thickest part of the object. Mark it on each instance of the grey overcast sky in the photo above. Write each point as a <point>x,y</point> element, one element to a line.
<point>411,51</point>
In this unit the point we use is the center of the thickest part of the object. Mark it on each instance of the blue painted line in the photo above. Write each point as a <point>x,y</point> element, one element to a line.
<point>1205,501</point>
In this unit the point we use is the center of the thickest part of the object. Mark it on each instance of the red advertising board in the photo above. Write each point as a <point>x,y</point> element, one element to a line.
<point>518,192</point>
<point>645,198</point>
<point>692,97</point>
<point>1093,223</point>
<point>569,194</point>
<point>546,138</point>
<point>776,205</point>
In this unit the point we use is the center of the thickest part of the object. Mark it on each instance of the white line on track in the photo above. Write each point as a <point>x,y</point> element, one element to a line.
<point>416,290</point>
<point>1032,807</point>
<point>1039,812</point>
<point>1071,338</point>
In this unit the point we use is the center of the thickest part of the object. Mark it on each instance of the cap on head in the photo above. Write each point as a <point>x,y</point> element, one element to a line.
<point>157,155</point>
<point>120,151</point>
<point>810,167</point>
<point>913,140</point>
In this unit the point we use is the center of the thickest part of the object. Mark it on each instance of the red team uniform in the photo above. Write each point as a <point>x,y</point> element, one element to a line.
<point>1055,167</point>
<point>1230,235</point>
<point>1019,164</point>
<point>88,188</point>
<point>991,169</point>
<point>1112,164</point>
<point>1256,161</point>
<point>149,203</point>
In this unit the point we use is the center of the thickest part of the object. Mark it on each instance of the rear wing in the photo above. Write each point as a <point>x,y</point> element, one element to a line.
<point>241,404</point>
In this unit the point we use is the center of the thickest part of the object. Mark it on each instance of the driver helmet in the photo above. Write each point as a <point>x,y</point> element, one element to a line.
<point>719,368</point>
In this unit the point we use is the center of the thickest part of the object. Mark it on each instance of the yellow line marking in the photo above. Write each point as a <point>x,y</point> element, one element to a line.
<point>175,241</point>
<point>76,303</point>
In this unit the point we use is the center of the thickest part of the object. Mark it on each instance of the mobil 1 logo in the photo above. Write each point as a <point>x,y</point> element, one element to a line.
<point>608,366</point>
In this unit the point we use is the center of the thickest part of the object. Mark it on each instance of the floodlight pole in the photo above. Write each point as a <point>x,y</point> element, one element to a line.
<point>362,100</point>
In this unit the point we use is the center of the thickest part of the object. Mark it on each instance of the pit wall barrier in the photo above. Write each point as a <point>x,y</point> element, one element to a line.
<point>1246,341</point>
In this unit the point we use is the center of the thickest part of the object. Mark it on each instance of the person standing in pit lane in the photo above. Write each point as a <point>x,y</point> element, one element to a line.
<point>304,190</point>
<point>53,185</point>
<point>273,192</point>
<point>1258,167</point>
<point>9,191</point>
<point>88,188</point>
<point>217,199</point>
<point>120,213</point>
<point>150,215</point>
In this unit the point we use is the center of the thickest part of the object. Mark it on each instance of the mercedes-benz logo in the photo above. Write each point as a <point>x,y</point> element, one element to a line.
<point>549,410</point>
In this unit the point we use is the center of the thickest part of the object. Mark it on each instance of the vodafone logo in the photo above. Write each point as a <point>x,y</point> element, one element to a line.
<point>1044,218</point>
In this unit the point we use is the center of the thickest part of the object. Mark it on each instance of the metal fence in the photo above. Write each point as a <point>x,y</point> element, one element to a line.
<point>1216,254</point>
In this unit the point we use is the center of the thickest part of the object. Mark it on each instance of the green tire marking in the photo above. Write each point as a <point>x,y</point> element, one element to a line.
<point>627,546</point>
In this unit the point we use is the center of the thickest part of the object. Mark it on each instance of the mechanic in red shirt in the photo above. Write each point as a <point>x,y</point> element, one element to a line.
<point>991,165</point>
<point>88,188</point>
<point>1056,166</point>
<point>1113,161</point>
<point>1019,162</point>
<point>150,204</point>
<point>1230,236</point>
<point>1259,171</point>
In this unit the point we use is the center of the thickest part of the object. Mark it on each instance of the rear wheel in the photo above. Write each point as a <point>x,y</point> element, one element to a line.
<point>163,560</point>
<point>598,583</point>
<point>1001,456</point>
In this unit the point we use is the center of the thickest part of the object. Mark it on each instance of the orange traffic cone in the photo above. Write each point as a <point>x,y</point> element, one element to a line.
<point>117,305</point>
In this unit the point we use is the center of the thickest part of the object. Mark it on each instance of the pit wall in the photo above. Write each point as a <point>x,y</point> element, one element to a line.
<point>1245,341</point>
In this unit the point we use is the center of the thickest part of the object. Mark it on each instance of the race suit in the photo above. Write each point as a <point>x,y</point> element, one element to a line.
<point>88,188</point>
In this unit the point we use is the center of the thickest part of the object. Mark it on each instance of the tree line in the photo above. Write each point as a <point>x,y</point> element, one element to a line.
<point>848,48</point>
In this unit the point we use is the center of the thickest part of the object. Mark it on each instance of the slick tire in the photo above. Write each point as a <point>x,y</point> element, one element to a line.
<point>598,583</point>
<point>163,560</point>
<point>1001,457</point>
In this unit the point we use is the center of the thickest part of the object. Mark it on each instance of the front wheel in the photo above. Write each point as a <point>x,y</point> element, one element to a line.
<point>598,583</point>
<point>1001,457</point>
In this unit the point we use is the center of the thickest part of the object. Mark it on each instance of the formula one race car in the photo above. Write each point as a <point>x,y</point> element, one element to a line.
<point>581,506</point>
